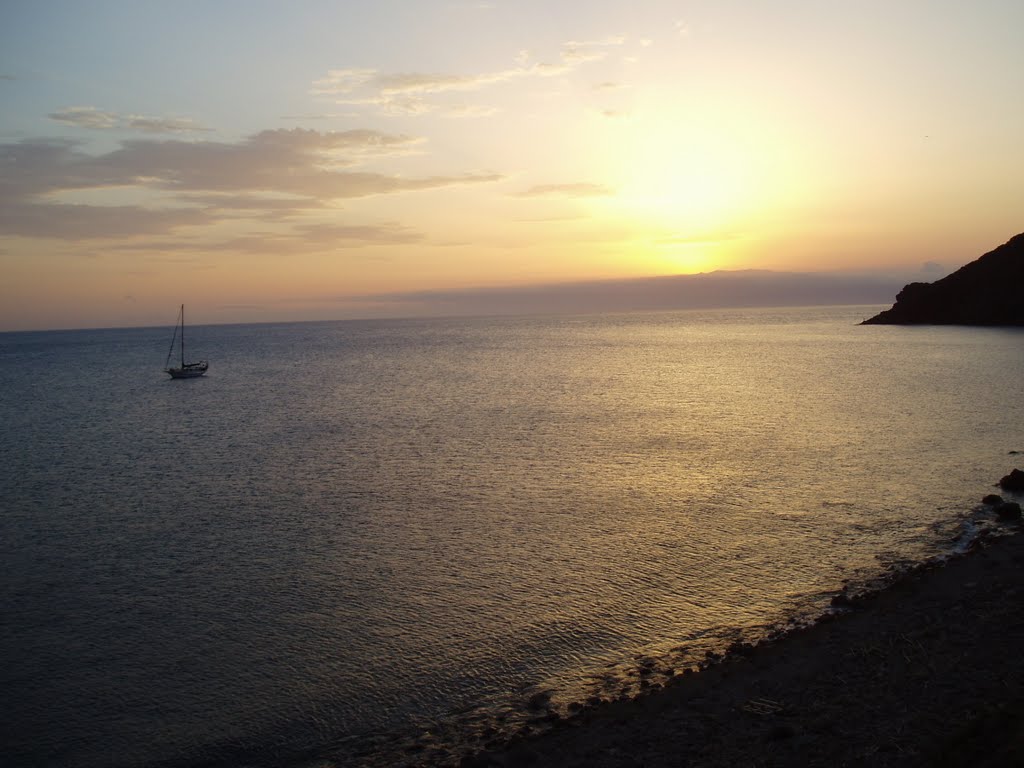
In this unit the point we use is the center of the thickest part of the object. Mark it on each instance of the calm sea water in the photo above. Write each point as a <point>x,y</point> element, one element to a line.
<point>352,539</point>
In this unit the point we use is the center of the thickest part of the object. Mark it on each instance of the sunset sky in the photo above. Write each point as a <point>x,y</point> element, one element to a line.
<point>317,160</point>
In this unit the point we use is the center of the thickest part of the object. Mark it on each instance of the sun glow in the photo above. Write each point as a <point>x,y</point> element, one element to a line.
<point>682,206</point>
<point>691,186</point>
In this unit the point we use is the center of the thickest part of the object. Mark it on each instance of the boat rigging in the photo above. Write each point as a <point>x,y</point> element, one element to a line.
<point>184,370</point>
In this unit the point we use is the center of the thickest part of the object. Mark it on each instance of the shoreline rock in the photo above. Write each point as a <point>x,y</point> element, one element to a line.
<point>1013,481</point>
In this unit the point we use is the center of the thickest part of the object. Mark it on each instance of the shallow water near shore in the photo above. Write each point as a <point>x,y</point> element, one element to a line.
<point>349,538</point>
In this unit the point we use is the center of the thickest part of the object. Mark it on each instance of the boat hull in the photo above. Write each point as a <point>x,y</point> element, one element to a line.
<point>190,371</point>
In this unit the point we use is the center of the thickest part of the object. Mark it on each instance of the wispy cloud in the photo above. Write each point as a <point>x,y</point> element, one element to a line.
<point>297,161</point>
<point>470,110</point>
<point>319,237</point>
<point>388,232</point>
<point>86,117</point>
<point>404,92</point>
<point>78,222</point>
<point>204,179</point>
<point>579,189</point>
<point>578,52</point>
<point>341,81</point>
<point>163,124</point>
<point>256,206</point>
<point>300,239</point>
<point>93,118</point>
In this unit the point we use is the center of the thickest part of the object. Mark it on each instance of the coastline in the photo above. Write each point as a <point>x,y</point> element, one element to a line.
<point>925,671</point>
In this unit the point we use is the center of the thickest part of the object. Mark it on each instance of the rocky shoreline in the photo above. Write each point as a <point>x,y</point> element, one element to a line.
<point>927,671</point>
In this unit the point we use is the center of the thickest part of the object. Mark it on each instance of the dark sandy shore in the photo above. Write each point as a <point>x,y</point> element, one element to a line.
<point>927,672</point>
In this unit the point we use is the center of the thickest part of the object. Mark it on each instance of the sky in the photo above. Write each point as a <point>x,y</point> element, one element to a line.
<point>272,161</point>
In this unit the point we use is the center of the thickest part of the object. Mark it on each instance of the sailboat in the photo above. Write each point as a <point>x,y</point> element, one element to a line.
<point>185,370</point>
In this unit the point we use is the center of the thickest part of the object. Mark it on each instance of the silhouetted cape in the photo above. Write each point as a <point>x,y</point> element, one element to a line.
<point>988,291</point>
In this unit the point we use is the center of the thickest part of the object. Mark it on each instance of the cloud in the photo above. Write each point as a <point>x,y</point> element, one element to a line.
<point>305,166</point>
<point>298,239</point>
<point>83,222</point>
<point>388,232</point>
<point>85,117</point>
<point>403,92</point>
<point>339,81</point>
<point>299,162</point>
<point>470,110</point>
<point>573,57</point>
<point>932,268</point>
<point>100,120</point>
<point>567,190</point>
<point>302,239</point>
<point>163,124</point>
<point>426,83</point>
<point>315,238</point>
<point>241,205</point>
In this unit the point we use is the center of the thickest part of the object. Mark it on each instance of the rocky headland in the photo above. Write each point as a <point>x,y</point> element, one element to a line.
<point>987,291</point>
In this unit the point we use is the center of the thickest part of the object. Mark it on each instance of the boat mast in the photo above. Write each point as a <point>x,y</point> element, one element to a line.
<point>170,350</point>
<point>183,336</point>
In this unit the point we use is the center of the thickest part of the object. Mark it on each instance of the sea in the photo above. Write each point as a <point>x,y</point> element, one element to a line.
<point>395,542</point>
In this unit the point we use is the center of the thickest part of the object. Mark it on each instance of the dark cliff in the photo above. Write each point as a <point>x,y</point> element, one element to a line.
<point>988,291</point>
